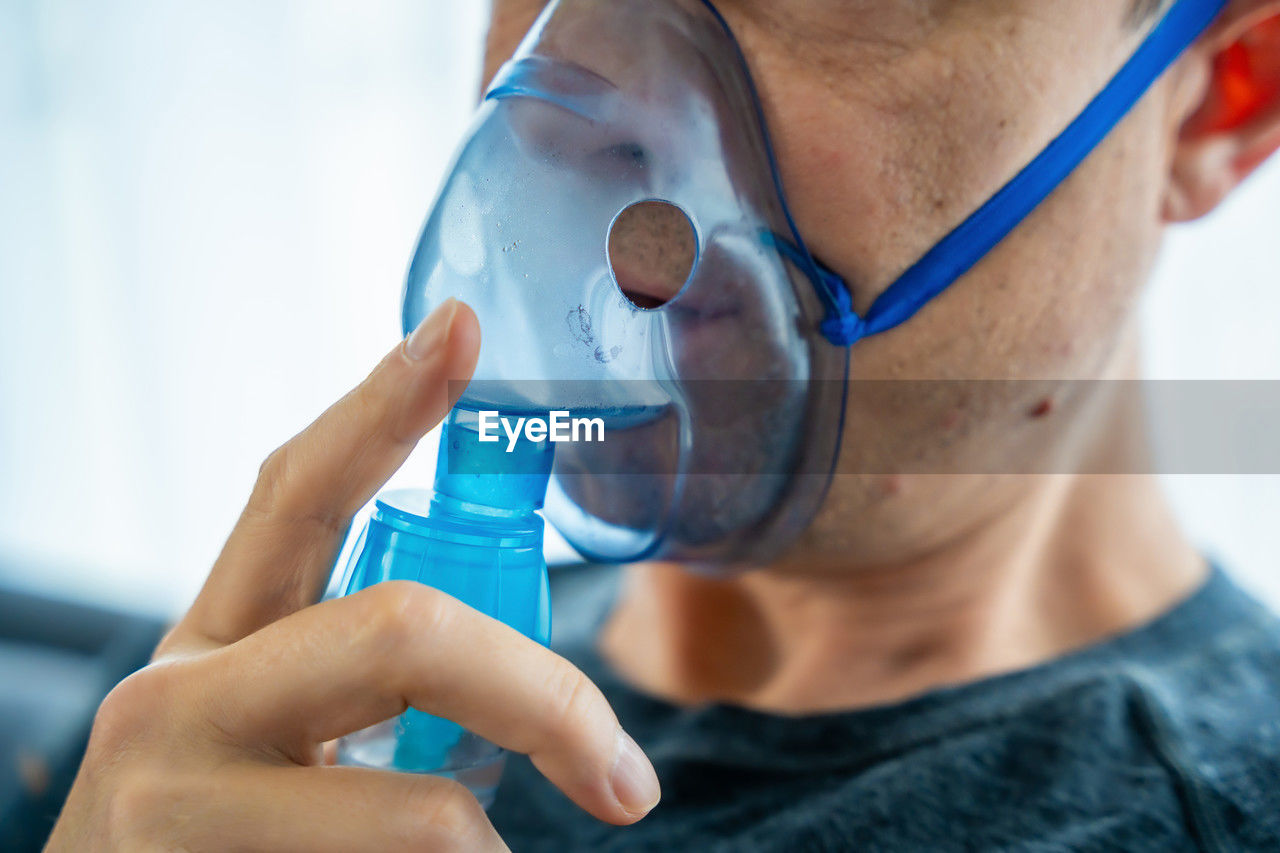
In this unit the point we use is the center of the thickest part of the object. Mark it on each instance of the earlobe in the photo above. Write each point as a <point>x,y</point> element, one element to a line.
<point>1203,175</point>
<point>1235,125</point>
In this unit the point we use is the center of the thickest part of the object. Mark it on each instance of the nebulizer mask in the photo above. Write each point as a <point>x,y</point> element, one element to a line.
<point>702,413</point>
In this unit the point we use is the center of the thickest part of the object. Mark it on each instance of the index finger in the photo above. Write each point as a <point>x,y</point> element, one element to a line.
<point>280,553</point>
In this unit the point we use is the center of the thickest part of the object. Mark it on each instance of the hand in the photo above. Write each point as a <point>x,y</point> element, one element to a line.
<point>218,744</point>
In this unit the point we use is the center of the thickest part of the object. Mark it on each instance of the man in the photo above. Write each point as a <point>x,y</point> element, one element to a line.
<point>942,662</point>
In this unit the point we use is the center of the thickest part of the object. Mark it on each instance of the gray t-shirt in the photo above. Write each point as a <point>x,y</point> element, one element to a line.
<point>1163,739</point>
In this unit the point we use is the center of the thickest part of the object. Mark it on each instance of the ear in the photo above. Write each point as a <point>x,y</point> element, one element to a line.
<point>1233,114</point>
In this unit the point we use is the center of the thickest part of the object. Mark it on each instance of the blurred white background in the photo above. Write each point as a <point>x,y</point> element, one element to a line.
<point>206,212</point>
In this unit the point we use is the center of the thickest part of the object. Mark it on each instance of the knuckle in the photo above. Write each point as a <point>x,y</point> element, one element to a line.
<point>130,708</point>
<point>272,474</point>
<point>280,493</point>
<point>405,612</point>
<point>576,700</point>
<point>273,468</point>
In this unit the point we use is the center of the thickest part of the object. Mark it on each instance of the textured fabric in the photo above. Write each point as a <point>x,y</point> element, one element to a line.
<point>1164,739</point>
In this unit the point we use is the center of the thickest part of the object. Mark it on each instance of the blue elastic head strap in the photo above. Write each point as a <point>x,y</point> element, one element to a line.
<point>968,244</point>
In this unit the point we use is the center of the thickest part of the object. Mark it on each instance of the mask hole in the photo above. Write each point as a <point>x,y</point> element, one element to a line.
<point>653,248</point>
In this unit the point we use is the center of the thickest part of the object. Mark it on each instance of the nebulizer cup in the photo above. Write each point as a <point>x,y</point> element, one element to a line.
<point>478,538</point>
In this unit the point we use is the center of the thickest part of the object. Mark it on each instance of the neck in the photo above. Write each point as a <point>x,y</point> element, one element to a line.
<point>1015,594</point>
<point>1077,559</point>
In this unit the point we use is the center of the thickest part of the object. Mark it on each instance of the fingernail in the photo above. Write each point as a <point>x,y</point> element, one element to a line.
<point>432,331</point>
<point>633,780</point>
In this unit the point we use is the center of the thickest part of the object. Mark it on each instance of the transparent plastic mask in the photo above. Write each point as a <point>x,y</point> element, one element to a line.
<point>719,443</point>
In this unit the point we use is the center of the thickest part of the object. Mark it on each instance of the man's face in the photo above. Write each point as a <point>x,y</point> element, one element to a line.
<point>893,120</point>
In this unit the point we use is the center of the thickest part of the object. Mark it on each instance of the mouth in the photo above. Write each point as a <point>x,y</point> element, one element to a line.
<point>643,299</point>
<point>645,290</point>
<point>699,305</point>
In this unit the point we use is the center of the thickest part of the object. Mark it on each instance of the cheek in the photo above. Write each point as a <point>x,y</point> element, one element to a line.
<point>886,146</point>
<point>1050,306</point>
<point>1054,303</point>
<point>1052,300</point>
<point>882,158</point>
<point>1055,298</point>
<point>1049,300</point>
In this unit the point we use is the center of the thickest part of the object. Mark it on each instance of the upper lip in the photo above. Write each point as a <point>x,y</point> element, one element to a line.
<point>699,303</point>
<point>644,290</point>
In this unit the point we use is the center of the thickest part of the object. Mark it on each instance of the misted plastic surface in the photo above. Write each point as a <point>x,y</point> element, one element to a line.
<point>607,104</point>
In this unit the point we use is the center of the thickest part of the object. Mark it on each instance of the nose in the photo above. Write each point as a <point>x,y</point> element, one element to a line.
<point>562,83</point>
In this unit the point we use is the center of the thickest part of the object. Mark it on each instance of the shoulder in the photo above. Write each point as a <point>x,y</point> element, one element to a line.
<point>1210,713</point>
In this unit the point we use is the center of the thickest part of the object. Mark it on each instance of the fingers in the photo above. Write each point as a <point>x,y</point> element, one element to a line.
<point>279,556</point>
<point>349,663</point>
<point>313,809</point>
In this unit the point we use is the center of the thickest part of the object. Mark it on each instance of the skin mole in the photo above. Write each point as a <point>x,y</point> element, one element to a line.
<point>1043,409</point>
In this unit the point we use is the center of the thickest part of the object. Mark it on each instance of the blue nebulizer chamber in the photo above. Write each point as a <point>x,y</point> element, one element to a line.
<point>478,538</point>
